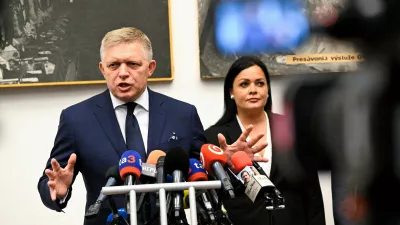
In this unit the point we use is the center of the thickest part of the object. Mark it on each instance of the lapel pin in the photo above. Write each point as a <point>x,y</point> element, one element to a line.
<point>173,137</point>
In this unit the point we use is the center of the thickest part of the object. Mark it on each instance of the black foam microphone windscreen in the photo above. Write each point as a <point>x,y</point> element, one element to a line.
<point>176,159</point>
<point>177,164</point>
<point>114,172</point>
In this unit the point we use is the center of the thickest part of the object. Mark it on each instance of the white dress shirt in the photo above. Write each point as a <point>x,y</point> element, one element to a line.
<point>141,113</point>
<point>268,150</point>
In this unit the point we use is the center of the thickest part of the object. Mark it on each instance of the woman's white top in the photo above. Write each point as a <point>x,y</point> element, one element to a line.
<point>267,151</point>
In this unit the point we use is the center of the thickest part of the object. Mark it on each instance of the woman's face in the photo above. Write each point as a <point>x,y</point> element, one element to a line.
<point>250,89</point>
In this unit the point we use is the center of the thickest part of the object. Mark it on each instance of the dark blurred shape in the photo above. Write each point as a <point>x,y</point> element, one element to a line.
<point>350,123</point>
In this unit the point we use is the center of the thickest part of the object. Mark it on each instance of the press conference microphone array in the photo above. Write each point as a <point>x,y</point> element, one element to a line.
<point>113,178</point>
<point>214,159</point>
<point>177,164</point>
<point>130,168</point>
<point>257,184</point>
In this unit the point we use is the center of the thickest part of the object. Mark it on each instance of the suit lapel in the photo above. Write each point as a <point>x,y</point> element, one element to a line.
<point>273,163</point>
<point>157,118</point>
<point>233,132</point>
<point>105,114</point>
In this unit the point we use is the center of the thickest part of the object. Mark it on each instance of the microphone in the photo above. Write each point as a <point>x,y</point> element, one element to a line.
<point>156,158</point>
<point>113,220</point>
<point>158,161</point>
<point>177,163</point>
<point>168,178</point>
<point>213,159</point>
<point>280,200</point>
<point>186,203</point>
<point>149,169</point>
<point>113,178</point>
<point>196,171</point>
<point>258,168</point>
<point>257,185</point>
<point>160,177</point>
<point>130,168</point>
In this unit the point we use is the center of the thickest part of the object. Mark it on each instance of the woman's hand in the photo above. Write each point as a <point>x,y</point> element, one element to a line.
<point>242,145</point>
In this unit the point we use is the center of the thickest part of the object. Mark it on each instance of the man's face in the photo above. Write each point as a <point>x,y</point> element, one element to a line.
<point>126,69</point>
<point>245,177</point>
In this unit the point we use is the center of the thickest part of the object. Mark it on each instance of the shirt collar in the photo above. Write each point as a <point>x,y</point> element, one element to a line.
<point>143,100</point>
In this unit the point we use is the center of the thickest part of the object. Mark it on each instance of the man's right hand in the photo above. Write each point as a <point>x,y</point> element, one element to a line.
<point>60,179</point>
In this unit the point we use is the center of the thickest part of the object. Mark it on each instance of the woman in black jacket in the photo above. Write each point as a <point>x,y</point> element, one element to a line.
<point>247,96</point>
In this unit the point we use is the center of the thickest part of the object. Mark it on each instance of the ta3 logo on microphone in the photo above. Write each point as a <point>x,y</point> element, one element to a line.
<point>196,165</point>
<point>131,159</point>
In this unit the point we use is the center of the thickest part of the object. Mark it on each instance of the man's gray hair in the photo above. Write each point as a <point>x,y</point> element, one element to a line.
<point>127,35</point>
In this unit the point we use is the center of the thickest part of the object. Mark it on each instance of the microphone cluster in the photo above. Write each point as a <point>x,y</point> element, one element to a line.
<point>256,181</point>
<point>175,166</point>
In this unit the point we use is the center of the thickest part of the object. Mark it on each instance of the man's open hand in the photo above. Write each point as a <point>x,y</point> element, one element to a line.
<point>60,178</point>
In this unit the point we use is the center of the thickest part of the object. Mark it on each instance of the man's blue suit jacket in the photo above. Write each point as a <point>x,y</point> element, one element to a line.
<point>91,131</point>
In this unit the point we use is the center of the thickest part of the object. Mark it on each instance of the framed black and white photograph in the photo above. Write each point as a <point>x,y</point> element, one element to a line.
<point>318,53</point>
<point>57,42</point>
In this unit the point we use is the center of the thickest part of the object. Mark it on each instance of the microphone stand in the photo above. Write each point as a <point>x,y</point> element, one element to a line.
<point>177,217</point>
<point>172,219</point>
<point>220,216</point>
<point>270,217</point>
<point>117,219</point>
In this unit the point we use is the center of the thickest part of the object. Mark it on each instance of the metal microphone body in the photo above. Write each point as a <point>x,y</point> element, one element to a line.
<point>219,172</point>
<point>177,176</point>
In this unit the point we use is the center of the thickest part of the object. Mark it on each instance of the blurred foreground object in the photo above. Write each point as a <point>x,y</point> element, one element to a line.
<point>350,123</point>
<point>248,27</point>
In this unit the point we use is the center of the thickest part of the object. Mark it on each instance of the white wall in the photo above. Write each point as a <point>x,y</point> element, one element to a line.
<point>29,119</point>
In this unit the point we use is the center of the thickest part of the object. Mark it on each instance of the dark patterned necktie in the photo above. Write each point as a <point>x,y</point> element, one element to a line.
<point>134,140</point>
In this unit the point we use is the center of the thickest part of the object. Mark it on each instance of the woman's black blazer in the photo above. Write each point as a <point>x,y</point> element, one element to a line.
<point>304,203</point>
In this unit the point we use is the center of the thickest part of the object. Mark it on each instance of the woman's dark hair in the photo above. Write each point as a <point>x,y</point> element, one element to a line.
<point>238,66</point>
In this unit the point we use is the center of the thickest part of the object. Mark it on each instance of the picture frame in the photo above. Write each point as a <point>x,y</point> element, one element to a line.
<point>57,43</point>
<point>319,54</point>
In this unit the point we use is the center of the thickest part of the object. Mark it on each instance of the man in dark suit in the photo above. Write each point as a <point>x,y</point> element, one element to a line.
<point>93,134</point>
